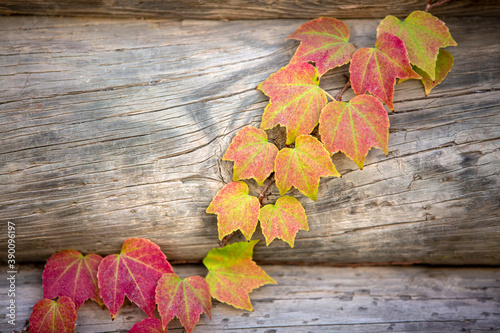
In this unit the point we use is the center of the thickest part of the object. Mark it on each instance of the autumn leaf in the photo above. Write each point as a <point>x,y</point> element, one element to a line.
<point>50,316</point>
<point>375,69</point>
<point>252,154</point>
<point>187,299</point>
<point>303,166</point>
<point>295,100</point>
<point>69,273</point>
<point>148,325</point>
<point>132,273</point>
<point>233,274</point>
<point>355,127</point>
<point>443,67</point>
<point>235,210</point>
<point>324,41</point>
<point>423,35</point>
<point>283,220</point>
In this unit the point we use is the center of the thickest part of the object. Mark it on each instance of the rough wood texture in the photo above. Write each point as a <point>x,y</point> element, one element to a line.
<point>320,299</point>
<point>115,128</point>
<point>243,9</point>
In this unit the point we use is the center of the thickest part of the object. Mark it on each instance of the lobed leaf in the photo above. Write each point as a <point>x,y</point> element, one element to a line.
<point>303,166</point>
<point>235,210</point>
<point>233,274</point>
<point>423,35</point>
<point>375,69</point>
<point>50,316</point>
<point>295,100</point>
<point>252,154</point>
<point>69,273</point>
<point>444,64</point>
<point>132,273</point>
<point>355,127</point>
<point>324,41</point>
<point>283,220</point>
<point>187,299</point>
<point>148,325</point>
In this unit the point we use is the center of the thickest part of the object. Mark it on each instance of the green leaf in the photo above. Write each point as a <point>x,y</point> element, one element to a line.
<point>443,67</point>
<point>233,274</point>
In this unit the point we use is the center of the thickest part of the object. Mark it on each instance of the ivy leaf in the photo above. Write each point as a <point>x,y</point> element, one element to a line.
<point>303,166</point>
<point>69,273</point>
<point>324,41</point>
<point>235,210</point>
<point>50,316</point>
<point>296,100</point>
<point>148,325</point>
<point>132,273</point>
<point>187,299</point>
<point>233,274</point>
<point>283,220</point>
<point>423,35</point>
<point>375,69</point>
<point>252,154</point>
<point>443,67</point>
<point>355,127</point>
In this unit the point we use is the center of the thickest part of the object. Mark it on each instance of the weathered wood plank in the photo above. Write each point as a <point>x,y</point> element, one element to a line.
<point>242,9</point>
<point>115,128</point>
<point>320,299</point>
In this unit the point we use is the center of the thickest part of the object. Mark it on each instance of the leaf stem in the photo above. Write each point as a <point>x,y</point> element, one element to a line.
<point>262,194</point>
<point>226,239</point>
<point>327,94</point>
<point>346,86</point>
<point>431,5</point>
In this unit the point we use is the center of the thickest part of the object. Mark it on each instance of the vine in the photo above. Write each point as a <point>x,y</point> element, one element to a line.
<point>411,49</point>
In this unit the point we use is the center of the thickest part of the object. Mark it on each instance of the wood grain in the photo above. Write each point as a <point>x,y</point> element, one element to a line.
<point>243,9</point>
<point>318,299</point>
<point>112,129</point>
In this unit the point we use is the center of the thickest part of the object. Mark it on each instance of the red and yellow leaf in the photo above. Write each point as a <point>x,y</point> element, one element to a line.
<point>324,41</point>
<point>187,299</point>
<point>283,220</point>
<point>235,209</point>
<point>148,325</point>
<point>375,69</point>
<point>443,67</point>
<point>132,273</point>
<point>303,166</point>
<point>233,274</point>
<point>296,100</point>
<point>423,35</point>
<point>355,127</point>
<point>69,273</point>
<point>50,316</point>
<point>252,154</point>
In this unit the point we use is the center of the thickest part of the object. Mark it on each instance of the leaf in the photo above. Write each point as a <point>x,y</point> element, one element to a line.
<point>132,273</point>
<point>50,316</point>
<point>69,273</point>
<point>375,69</point>
<point>187,299</point>
<point>324,41</point>
<point>443,67</point>
<point>235,210</point>
<point>252,154</point>
<point>355,127</point>
<point>148,325</point>
<point>296,100</point>
<point>303,166</point>
<point>283,220</point>
<point>423,35</point>
<point>233,274</point>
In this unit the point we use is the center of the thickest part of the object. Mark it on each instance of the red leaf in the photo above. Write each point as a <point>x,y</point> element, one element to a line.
<point>69,273</point>
<point>235,210</point>
<point>375,69</point>
<point>187,299</point>
<point>233,274</point>
<point>324,41</point>
<point>132,273</point>
<point>355,127</point>
<point>296,100</point>
<point>50,316</point>
<point>149,325</point>
<point>252,154</point>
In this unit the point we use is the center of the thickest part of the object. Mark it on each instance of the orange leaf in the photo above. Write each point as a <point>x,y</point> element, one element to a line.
<point>50,316</point>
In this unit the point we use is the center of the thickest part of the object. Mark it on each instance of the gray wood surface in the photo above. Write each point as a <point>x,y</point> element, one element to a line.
<point>319,299</point>
<point>111,129</point>
<point>244,9</point>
